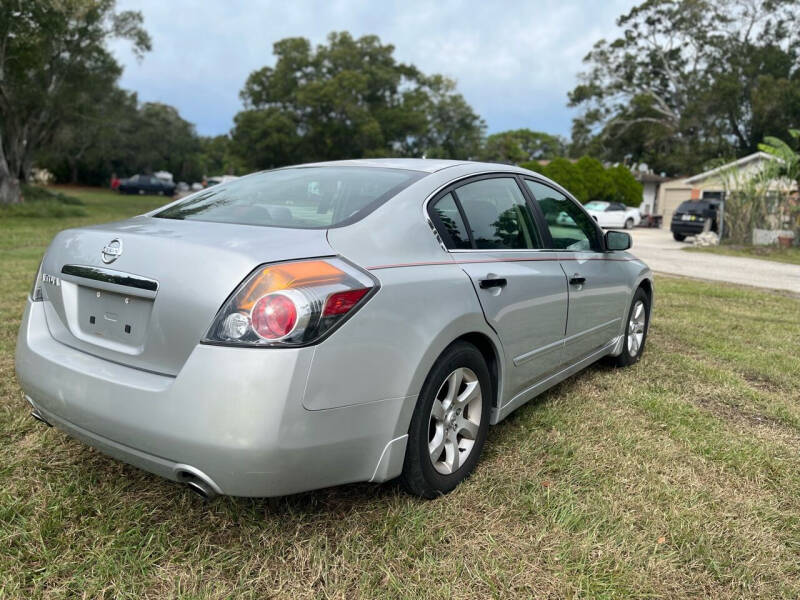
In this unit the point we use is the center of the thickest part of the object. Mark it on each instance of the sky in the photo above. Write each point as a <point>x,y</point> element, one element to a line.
<point>514,62</point>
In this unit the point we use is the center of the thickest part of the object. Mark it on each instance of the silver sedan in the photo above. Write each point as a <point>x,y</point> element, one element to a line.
<point>329,323</point>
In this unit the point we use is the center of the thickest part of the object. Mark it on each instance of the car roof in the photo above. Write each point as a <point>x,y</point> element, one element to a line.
<point>427,165</point>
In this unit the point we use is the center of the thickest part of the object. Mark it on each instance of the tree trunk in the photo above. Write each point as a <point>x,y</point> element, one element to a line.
<point>73,170</point>
<point>9,184</point>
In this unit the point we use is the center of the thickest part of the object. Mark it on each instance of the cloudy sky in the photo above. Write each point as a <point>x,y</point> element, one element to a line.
<point>513,61</point>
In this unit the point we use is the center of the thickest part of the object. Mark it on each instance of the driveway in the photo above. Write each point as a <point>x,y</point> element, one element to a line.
<point>663,254</point>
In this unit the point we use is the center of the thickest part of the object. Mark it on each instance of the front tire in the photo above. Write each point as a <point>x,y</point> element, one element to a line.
<point>629,223</point>
<point>636,329</point>
<point>678,237</point>
<point>450,423</point>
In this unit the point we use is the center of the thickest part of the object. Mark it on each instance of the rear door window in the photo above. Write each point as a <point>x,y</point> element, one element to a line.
<point>497,215</point>
<point>448,221</point>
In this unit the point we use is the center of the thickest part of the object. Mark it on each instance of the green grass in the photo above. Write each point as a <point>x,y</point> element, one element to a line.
<point>43,203</point>
<point>677,478</point>
<point>774,253</point>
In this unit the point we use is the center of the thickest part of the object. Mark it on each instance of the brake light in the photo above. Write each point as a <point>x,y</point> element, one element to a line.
<point>291,304</point>
<point>341,302</point>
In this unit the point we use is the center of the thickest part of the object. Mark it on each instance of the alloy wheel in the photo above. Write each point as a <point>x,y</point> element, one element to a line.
<point>636,328</point>
<point>454,420</point>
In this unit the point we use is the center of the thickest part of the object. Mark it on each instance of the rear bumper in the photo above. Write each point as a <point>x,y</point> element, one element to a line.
<point>234,415</point>
<point>687,227</point>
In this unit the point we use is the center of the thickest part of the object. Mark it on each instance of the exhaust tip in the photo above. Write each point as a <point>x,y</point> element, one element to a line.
<point>201,489</point>
<point>197,482</point>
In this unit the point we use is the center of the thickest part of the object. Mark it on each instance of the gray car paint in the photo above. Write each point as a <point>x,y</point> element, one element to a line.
<point>265,422</point>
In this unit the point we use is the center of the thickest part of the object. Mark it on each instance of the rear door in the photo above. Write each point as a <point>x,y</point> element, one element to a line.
<point>598,292</point>
<point>489,227</point>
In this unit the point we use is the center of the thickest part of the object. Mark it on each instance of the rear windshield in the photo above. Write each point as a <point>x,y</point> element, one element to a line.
<point>302,197</point>
<point>694,205</point>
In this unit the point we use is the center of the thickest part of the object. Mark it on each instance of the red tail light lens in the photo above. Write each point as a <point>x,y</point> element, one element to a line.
<point>291,304</point>
<point>341,302</point>
<point>274,316</point>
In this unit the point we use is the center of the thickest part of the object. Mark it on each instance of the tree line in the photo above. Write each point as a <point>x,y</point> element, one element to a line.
<point>687,82</point>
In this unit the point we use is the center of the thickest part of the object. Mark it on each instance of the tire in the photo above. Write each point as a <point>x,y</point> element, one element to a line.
<point>629,223</point>
<point>678,237</point>
<point>460,430</point>
<point>636,328</point>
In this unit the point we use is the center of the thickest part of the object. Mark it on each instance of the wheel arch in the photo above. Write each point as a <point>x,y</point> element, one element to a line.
<point>480,335</point>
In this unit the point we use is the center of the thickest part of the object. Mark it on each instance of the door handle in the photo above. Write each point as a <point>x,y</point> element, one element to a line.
<point>577,279</point>
<point>492,283</point>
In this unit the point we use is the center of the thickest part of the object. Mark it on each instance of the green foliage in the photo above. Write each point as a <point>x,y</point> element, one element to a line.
<point>349,99</point>
<point>690,80</point>
<point>36,193</point>
<point>624,187</point>
<point>54,65</point>
<point>41,203</point>
<point>588,180</point>
<point>567,174</point>
<point>521,145</point>
<point>596,179</point>
<point>533,165</point>
<point>788,163</point>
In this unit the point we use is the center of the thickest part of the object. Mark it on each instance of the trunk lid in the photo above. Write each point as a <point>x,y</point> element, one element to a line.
<point>156,298</point>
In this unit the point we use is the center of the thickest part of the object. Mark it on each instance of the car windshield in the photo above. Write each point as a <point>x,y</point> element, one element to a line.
<point>598,206</point>
<point>301,197</point>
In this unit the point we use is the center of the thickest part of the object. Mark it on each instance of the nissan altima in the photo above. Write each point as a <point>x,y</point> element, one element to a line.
<point>329,323</point>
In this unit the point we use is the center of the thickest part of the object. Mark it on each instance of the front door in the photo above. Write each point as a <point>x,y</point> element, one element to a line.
<point>521,286</point>
<point>598,293</point>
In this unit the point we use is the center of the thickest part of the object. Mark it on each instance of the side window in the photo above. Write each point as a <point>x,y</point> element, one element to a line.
<point>449,223</point>
<point>497,215</point>
<point>570,227</point>
<point>616,206</point>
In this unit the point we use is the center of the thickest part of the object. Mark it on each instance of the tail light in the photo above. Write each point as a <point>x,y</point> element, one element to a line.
<point>291,304</point>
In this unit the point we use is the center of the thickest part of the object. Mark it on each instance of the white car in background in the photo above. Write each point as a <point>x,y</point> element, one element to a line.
<point>613,214</point>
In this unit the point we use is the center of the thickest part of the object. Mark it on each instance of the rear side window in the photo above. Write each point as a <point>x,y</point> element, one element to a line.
<point>448,221</point>
<point>570,227</point>
<point>303,197</point>
<point>497,215</point>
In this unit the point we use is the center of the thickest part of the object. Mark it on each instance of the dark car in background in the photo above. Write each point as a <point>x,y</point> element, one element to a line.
<point>146,184</point>
<point>691,216</point>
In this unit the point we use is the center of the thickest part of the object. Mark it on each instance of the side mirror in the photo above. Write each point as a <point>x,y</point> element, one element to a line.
<point>618,240</point>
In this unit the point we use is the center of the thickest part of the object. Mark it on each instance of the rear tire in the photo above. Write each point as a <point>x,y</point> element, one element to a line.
<point>679,237</point>
<point>636,328</point>
<point>450,423</point>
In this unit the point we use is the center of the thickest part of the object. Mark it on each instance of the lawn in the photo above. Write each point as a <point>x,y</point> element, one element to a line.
<point>775,253</point>
<point>677,478</point>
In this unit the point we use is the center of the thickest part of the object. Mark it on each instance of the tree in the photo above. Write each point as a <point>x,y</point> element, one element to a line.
<point>689,80</point>
<point>51,53</point>
<point>522,145</point>
<point>788,163</point>
<point>587,179</point>
<point>597,180</point>
<point>565,173</point>
<point>349,99</point>
<point>624,187</point>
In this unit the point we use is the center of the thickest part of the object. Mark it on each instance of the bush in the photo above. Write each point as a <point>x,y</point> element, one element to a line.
<point>41,203</point>
<point>587,179</point>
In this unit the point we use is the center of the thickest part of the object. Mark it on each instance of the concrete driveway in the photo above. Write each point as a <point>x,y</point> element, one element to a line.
<point>663,254</point>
